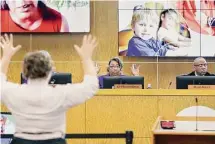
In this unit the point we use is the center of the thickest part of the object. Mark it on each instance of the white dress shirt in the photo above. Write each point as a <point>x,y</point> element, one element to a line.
<point>39,109</point>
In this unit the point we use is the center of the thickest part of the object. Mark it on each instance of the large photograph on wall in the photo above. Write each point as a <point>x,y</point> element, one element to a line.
<point>59,16</point>
<point>166,28</point>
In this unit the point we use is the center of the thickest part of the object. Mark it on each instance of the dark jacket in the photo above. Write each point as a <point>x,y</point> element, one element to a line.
<point>193,74</point>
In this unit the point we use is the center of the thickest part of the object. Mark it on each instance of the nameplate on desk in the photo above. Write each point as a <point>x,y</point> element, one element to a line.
<point>201,86</point>
<point>127,86</point>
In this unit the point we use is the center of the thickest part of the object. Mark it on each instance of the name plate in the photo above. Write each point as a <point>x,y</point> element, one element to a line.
<point>201,86</point>
<point>127,86</point>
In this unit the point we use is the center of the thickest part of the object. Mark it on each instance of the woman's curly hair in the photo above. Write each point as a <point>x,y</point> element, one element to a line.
<point>37,65</point>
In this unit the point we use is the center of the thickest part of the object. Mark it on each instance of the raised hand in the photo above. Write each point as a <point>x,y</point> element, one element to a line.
<point>97,68</point>
<point>6,44</point>
<point>135,69</point>
<point>85,52</point>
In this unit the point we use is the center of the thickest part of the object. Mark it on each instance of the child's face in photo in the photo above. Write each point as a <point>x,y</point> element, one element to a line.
<point>144,29</point>
<point>169,20</point>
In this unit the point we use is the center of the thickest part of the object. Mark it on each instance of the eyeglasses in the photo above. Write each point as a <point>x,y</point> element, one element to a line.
<point>201,65</point>
<point>112,66</point>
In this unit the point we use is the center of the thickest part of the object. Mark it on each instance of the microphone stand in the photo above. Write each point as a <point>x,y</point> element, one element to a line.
<point>170,84</point>
<point>197,129</point>
<point>196,113</point>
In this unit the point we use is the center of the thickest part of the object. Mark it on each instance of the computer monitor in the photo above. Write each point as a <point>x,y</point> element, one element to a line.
<point>109,82</point>
<point>182,82</point>
<point>57,78</point>
<point>23,80</point>
<point>133,80</point>
<point>61,78</point>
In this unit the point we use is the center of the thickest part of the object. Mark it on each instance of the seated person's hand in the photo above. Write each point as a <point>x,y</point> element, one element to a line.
<point>135,69</point>
<point>97,68</point>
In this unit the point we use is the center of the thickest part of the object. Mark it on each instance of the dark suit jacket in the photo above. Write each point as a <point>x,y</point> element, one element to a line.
<point>193,74</point>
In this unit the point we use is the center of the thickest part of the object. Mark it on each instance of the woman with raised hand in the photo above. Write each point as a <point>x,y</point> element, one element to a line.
<point>39,109</point>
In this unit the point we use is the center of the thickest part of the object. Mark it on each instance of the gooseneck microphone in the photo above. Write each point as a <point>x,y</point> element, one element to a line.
<point>170,83</point>
<point>196,99</point>
<point>197,129</point>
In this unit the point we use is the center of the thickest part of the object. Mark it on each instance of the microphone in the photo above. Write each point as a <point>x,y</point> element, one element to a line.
<point>170,83</point>
<point>196,99</point>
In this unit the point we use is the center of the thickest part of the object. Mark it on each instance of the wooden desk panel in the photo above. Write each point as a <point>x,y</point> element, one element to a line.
<point>120,113</point>
<point>184,139</point>
<point>120,110</point>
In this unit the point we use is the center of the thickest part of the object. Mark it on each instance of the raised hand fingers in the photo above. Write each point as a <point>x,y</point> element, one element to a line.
<point>89,38</point>
<point>84,39</point>
<point>1,45</point>
<point>2,40</point>
<point>11,38</point>
<point>17,48</point>
<point>77,48</point>
<point>133,66</point>
<point>6,38</point>
<point>94,42</point>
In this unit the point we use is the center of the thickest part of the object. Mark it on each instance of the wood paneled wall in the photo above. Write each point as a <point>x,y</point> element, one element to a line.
<point>104,25</point>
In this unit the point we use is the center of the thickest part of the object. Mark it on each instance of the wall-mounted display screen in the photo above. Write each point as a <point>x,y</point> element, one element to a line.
<point>166,28</point>
<point>49,16</point>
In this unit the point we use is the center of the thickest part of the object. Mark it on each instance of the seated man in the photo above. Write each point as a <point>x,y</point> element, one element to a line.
<point>115,69</point>
<point>200,67</point>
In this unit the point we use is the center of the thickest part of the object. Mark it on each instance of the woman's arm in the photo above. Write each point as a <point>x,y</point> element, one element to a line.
<point>164,35</point>
<point>180,41</point>
<point>8,50</point>
<point>182,38</point>
<point>79,93</point>
<point>6,44</point>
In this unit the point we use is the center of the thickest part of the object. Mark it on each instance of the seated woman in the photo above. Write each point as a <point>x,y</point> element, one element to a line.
<point>114,68</point>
